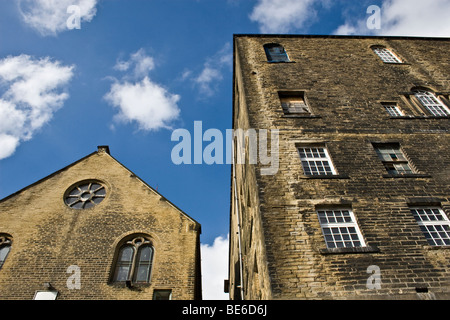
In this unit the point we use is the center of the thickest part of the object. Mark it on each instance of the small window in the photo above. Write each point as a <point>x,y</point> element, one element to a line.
<point>393,158</point>
<point>294,103</point>
<point>386,55</point>
<point>393,110</point>
<point>45,295</point>
<point>340,229</point>
<point>5,248</point>
<point>162,294</point>
<point>434,224</point>
<point>316,161</point>
<point>275,53</point>
<point>134,261</point>
<point>431,103</point>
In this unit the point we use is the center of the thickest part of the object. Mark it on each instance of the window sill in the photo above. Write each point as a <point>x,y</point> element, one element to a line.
<point>398,63</point>
<point>334,176</point>
<point>304,116</point>
<point>420,117</point>
<point>357,250</point>
<point>275,62</point>
<point>411,175</point>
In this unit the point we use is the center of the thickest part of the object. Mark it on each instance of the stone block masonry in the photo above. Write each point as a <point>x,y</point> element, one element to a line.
<point>283,253</point>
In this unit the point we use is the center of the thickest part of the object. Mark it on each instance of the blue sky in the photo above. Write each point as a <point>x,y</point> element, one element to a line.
<point>138,69</point>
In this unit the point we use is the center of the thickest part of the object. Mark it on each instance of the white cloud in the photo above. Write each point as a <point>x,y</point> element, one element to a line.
<point>206,78</point>
<point>405,18</point>
<point>144,102</point>
<point>31,93</point>
<point>212,72</point>
<point>49,17</point>
<point>283,16</point>
<point>142,63</point>
<point>346,29</point>
<point>138,98</point>
<point>8,145</point>
<point>214,269</point>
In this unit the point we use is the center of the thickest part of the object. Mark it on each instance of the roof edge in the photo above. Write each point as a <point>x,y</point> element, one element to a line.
<point>268,35</point>
<point>101,149</point>
<point>47,177</point>
<point>156,192</point>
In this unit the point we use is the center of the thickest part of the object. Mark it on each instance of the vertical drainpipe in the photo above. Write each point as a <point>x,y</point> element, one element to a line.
<point>238,227</point>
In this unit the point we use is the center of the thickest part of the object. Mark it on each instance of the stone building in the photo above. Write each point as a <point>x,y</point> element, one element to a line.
<point>94,230</point>
<point>359,205</point>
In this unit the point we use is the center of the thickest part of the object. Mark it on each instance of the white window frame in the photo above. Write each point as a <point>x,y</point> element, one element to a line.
<point>316,160</point>
<point>333,230</point>
<point>428,225</point>
<point>431,103</point>
<point>386,55</point>
<point>393,110</point>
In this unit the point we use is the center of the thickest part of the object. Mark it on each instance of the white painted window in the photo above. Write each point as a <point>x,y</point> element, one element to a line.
<point>393,110</point>
<point>316,161</point>
<point>386,55</point>
<point>340,229</point>
<point>431,103</point>
<point>434,224</point>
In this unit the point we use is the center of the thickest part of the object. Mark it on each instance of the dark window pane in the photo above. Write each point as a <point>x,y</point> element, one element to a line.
<point>78,205</point>
<point>97,200</point>
<point>101,192</point>
<point>145,253</point>
<point>142,273</point>
<point>74,192</point>
<point>88,205</point>
<point>95,186</point>
<point>122,273</point>
<point>126,254</point>
<point>162,294</point>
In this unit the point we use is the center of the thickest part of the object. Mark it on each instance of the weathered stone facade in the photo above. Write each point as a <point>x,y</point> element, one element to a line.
<point>48,237</point>
<point>277,247</point>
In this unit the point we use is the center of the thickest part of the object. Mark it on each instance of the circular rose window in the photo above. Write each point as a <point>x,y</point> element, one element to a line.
<point>85,195</point>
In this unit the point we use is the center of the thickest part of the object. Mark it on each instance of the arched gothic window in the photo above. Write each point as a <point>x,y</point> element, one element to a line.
<point>275,53</point>
<point>5,248</point>
<point>134,261</point>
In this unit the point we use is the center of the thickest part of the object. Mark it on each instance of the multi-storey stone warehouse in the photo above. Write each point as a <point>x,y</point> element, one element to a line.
<point>359,205</point>
<point>94,230</point>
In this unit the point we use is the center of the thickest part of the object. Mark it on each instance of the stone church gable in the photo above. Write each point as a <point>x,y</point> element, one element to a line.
<point>80,216</point>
